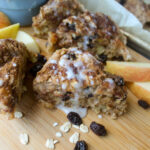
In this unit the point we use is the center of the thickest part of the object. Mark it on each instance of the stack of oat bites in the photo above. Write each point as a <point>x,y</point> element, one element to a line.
<point>80,43</point>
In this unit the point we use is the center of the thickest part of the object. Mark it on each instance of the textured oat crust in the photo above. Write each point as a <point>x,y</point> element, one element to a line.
<point>94,32</point>
<point>139,8</point>
<point>52,13</point>
<point>13,57</point>
<point>74,77</point>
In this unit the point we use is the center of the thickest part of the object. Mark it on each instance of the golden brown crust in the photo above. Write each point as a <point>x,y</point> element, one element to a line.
<point>74,77</point>
<point>13,57</point>
<point>96,33</point>
<point>52,13</point>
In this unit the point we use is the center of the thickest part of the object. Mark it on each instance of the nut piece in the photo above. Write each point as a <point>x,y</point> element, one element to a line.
<point>58,134</point>
<point>98,129</point>
<point>50,144</point>
<point>65,127</point>
<point>55,124</point>
<point>83,128</point>
<point>18,114</point>
<point>74,138</point>
<point>24,138</point>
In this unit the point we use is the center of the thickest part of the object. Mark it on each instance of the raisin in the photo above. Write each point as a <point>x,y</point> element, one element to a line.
<point>102,58</point>
<point>119,81</point>
<point>71,27</point>
<point>41,60</point>
<point>74,118</point>
<point>98,129</point>
<point>122,2</point>
<point>81,145</point>
<point>143,104</point>
<point>66,96</point>
<point>90,95</point>
<point>72,56</point>
<point>36,68</point>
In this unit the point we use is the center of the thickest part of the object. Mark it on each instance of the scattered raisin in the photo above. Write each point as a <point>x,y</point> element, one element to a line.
<point>102,58</point>
<point>74,118</point>
<point>98,129</point>
<point>72,56</point>
<point>66,96</point>
<point>36,68</point>
<point>119,81</point>
<point>81,145</point>
<point>143,104</point>
<point>90,95</point>
<point>71,27</point>
<point>122,2</point>
<point>41,60</point>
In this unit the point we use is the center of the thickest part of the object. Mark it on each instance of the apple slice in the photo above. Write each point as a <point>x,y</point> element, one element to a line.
<point>141,90</point>
<point>130,71</point>
<point>9,32</point>
<point>4,21</point>
<point>30,43</point>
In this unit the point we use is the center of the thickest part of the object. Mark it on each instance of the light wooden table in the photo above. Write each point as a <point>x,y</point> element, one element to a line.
<point>129,132</point>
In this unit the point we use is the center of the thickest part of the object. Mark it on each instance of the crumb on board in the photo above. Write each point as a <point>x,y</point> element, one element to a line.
<point>100,116</point>
<point>55,124</point>
<point>84,128</point>
<point>76,126</point>
<point>24,138</point>
<point>18,114</point>
<point>58,134</point>
<point>65,127</point>
<point>74,138</point>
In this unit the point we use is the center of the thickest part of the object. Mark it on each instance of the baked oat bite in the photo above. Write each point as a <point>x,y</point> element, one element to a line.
<point>13,56</point>
<point>96,33</point>
<point>52,13</point>
<point>139,8</point>
<point>73,77</point>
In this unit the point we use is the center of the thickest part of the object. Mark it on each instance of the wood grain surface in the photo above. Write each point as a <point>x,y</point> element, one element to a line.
<point>129,132</point>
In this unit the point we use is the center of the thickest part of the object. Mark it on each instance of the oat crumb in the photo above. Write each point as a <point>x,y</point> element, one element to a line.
<point>18,114</point>
<point>50,144</point>
<point>100,116</point>
<point>83,128</point>
<point>55,124</point>
<point>74,138</point>
<point>58,134</point>
<point>24,138</point>
<point>75,126</point>
<point>65,127</point>
<point>56,141</point>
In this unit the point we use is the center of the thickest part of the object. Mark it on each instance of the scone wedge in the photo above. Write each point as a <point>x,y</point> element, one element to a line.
<point>73,77</point>
<point>13,58</point>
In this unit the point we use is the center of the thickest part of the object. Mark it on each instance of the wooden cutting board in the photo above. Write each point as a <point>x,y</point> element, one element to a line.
<point>129,132</point>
